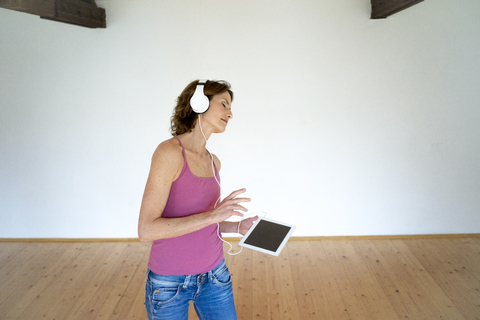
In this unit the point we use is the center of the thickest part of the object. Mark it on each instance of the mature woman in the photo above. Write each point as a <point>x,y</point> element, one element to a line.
<point>182,213</point>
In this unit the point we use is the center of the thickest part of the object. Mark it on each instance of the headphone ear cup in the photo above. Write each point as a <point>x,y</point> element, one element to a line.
<point>199,101</point>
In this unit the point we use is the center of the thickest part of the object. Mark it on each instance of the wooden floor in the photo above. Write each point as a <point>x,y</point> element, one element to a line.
<point>326,279</point>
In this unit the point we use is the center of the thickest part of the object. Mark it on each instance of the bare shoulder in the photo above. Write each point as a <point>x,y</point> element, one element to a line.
<point>168,157</point>
<point>168,149</point>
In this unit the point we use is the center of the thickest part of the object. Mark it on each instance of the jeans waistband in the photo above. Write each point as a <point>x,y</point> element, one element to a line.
<point>184,280</point>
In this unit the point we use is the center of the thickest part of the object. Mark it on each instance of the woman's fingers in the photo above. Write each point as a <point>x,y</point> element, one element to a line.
<point>233,202</point>
<point>230,206</point>
<point>235,193</point>
<point>241,208</point>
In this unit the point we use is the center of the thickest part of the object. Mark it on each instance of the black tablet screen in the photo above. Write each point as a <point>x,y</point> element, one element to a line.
<point>267,235</point>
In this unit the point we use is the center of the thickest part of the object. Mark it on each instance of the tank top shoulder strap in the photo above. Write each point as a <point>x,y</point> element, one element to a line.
<point>214,165</point>
<point>183,149</point>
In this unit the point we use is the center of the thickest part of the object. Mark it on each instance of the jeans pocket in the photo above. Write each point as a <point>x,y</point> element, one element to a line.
<point>163,292</point>
<point>163,296</point>
<point>222,277</point>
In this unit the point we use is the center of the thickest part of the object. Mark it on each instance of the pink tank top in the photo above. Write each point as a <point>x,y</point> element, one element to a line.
<point>196,252</point>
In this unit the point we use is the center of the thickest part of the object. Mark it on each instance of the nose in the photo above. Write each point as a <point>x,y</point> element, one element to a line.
<point>230,114</point>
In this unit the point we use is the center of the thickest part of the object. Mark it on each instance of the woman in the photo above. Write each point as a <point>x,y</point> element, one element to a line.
<point>182,214</point>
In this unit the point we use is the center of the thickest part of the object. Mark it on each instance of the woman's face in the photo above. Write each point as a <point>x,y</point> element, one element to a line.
<point>219,112</point>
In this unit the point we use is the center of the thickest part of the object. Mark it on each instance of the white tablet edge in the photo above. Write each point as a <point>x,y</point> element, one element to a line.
<point>280,247</point>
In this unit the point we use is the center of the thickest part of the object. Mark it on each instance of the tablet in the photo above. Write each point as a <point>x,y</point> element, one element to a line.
<point>267,236</point>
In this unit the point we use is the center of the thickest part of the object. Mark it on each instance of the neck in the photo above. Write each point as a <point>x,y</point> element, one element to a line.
<point>197,139</point>
<point>205,134</point>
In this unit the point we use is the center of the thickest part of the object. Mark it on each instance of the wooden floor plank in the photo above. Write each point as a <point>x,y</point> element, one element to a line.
<point>259,306</point>
<point>401,302</point>
<point>30,276</point>
<point>460,292</point>
<point>409,286</point>
<point>8,252</point>
<point>326,280</point>
<point>312,302</point>
<point>58,298</point>
<point>451,255</point>
<point>288,301</point>
<point>429,292</point>
<point>38,283</point>
<point>272,290</point>
<point>137,309</point>
<point>342,279</point>
<point>120,279</point>
<point>135,287</point>
<point>464,259</point>
<point>317,280</point>
<point>353,305</point>
<point>241,268</point>
<point>94,294</point>
<point>474,245</point>
<point>365,285</point>
<point>28,259</point>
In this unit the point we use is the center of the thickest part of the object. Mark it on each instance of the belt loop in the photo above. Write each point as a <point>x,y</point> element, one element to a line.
<point>187,280</point>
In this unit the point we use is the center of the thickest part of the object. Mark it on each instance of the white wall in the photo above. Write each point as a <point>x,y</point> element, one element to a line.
<point>343,125</point>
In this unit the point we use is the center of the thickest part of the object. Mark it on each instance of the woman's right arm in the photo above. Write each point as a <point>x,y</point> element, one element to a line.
<point>164,168</point>
<point>167,163</point>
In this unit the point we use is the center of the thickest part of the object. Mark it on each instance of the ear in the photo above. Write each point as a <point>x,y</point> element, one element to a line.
<point>199,101</point>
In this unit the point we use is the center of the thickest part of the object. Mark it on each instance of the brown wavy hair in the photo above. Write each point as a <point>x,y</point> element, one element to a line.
<point>184,118</point>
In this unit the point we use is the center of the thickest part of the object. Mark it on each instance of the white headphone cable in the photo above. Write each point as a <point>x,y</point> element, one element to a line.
<point>218,182</point>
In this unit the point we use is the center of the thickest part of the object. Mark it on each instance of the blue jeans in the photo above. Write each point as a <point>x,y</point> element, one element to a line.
<point>167,297</point>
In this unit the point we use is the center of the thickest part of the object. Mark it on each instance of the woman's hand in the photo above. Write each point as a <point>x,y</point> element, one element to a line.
<point>230,207</point>
<point>246,224</point>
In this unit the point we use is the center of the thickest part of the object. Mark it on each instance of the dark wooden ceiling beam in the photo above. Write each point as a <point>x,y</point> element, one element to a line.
<point>384,8</point>
<point>36,7</point>
<point>83,13</point>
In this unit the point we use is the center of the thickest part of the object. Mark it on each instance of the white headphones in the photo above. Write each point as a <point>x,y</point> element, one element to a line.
<point>199,100</point>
